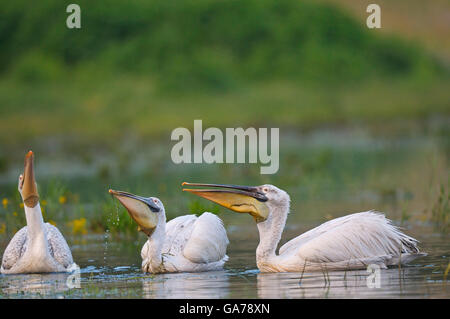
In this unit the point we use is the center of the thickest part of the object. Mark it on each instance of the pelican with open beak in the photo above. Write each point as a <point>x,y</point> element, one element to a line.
<point>141,210</point>
<point>348,242</point>
<point>38,247</point>
<point>184,244</point>
<point>241,199</point>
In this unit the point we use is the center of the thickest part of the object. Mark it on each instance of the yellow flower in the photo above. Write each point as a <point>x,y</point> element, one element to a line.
<point>43,202</point>
<point>79,226</point>
<point>21,205</point>
<point>2,228</point>
<point>5,202</point>
<point>14,213</point>
<point>62,200</point>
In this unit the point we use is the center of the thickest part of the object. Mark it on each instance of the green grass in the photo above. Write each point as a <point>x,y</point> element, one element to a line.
<point>130,106</point>
<point>440,211</point>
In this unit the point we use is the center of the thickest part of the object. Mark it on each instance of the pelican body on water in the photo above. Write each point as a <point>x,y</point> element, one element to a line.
<point>349,242</point>
<point>38,247</point>
<point>184,244</point>
<point>192,244</point>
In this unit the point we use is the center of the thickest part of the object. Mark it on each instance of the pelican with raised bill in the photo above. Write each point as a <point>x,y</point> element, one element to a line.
<point>38,247</point>
<point>184,244</point>
<point>349,242</point>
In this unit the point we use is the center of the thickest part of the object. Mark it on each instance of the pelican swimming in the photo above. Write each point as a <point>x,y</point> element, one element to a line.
<point>38,247</point>
<point>184,244</point>
<point>350,242</point>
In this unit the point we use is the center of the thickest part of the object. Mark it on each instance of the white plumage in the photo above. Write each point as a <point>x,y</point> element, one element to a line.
<point>20,257</point>
<point>189,244</point>
<point>349,242</point>
<point>208,240</point>
<point>185,244</point>
<point>38,247</point>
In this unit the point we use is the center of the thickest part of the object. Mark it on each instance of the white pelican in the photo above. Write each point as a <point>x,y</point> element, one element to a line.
<point>350,242</point>
<point>38,247</point>
<point>184,244</point>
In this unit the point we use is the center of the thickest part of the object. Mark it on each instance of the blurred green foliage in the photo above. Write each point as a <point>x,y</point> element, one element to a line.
<point>142,68</point>
<point>201,44</point>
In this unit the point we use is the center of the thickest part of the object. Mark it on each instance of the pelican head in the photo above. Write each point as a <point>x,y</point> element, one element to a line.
<point>27,183</point>
<point>254,200</point>
<point>144,211</point>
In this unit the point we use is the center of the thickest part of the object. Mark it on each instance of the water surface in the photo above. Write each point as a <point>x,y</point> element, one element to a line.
<point>113,271</point>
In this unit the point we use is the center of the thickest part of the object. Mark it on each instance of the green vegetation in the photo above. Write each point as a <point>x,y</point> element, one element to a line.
<point>146,67</point>
<point>324,181</point>
<point>408,18</point>
<point>441,210</point>
<point>206,43</point>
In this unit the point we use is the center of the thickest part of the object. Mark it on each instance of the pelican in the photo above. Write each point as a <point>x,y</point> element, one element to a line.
<point>350,242</point>
<point>184,244</point>
<point>38,247</point>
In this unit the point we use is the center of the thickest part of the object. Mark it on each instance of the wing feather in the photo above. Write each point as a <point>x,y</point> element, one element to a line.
<point>58,246</point>
<point>356,236</point>
<point>15,249</point>
<point>208,241</point>
<point>178,232</point>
